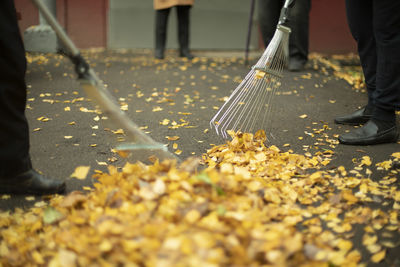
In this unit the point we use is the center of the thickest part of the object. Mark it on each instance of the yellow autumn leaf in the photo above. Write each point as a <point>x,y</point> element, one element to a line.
<point>348,195</point>
<point>378,257</point>
<point>172,138</point>
<point>192,216</point>
<point>38,258</point>
<point>369,239</point>
<point>124,107</point>
<point>156,109</point>
<point>80,172</point>
<point>366,160</point>
<point>119,131</point>
<point>345,245</point>
<point>396,155</point>
<point>165,122</point>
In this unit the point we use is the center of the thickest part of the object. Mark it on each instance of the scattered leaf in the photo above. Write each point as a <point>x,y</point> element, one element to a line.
<point>379,256</point>
<point>51,215</point>
<point>81,172</point>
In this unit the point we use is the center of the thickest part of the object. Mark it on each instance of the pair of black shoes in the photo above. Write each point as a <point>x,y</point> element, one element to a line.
<point>159,53</point>
<point>31,183</point>
<point>372,133</point>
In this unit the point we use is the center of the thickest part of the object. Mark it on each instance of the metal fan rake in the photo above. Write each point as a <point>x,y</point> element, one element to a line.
<point>248,108</point>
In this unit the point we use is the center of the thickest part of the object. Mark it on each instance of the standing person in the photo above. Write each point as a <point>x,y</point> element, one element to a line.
<point>163,8</point>
<point>16,173</point>
<point>268,15</point>
<point>375,25</point>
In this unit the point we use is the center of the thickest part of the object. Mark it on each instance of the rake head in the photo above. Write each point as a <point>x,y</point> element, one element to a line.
<point>248,109</point>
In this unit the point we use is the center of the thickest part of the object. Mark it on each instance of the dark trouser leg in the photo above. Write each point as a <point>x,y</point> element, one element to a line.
<point>183,14</point>
<point>14,133</point>
<point>375,25</point>
<point>386,23</point>
<point>299,24</point>
<point>359,17</point>
<point>161,31</point>
<point>268,16</point>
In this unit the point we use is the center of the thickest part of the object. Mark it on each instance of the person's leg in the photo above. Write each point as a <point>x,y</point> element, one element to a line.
<point>375,25</point>
<point>16,173</point>
<point>268,17</point>
<point>14,133</point>
<point>386,23</point>
<point>298,39</point>
<point>359,17</point>
<point>161,32</point>
<point>183,14</point>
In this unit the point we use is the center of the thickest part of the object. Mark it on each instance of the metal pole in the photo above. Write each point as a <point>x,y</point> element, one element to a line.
<point>246,57</point>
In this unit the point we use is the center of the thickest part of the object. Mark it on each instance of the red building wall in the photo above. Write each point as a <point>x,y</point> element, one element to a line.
<point>84,21</point>
<point>329,31</point>
<point>27,13</point>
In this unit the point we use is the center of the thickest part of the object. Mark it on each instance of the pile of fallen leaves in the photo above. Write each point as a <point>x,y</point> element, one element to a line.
<point>252,205</point>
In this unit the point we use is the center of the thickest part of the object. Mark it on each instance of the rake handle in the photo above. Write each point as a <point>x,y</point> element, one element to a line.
<point>81,66</point>
<point>96,91</point>
<point>56,27</point>
<point>284,17</point>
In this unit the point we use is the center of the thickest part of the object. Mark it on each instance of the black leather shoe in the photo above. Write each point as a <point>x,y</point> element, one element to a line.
<point>31,183</point>
<point>159,54</point>
<point>369,134</point>
<point>356,118</point>
<point>185,53</point>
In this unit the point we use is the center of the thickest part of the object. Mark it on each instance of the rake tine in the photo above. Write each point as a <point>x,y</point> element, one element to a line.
<point>248,108</point>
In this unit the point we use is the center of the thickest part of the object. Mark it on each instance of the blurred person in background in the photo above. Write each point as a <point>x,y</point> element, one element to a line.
<point>268,16</point>
<point>163,8</point>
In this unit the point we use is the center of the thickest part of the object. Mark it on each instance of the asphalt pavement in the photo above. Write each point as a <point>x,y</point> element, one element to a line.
<point>173,100</point>
<point>175,97</point>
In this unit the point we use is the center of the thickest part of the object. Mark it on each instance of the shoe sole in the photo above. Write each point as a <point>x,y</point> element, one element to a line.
<point>18,191</point>
<point>352,123</point>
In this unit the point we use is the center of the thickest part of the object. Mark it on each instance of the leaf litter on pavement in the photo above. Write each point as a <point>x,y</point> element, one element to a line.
<point>242,204</point>
<point>252,205</point>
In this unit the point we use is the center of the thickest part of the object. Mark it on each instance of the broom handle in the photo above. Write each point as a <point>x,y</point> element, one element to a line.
<point>284,17</point>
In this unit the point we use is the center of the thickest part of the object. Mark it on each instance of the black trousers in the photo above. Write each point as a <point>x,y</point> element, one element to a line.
<point>183,15</point>
<point>375,25</point>
<point>268,15</point>
<point>14,133</point>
